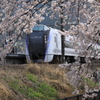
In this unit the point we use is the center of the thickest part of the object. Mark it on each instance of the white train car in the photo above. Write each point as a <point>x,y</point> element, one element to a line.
<point>44,44</point>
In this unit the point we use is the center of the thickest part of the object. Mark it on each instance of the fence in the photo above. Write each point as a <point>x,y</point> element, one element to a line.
<point>79,97</point>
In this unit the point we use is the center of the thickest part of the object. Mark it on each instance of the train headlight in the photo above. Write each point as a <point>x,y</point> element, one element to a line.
<point>19,47</point>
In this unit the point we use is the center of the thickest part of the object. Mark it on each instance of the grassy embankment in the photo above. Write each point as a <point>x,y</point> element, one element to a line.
<point>35,82</point>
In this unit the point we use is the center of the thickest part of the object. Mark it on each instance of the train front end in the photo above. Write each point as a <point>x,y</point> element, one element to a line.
<point>37,43</point>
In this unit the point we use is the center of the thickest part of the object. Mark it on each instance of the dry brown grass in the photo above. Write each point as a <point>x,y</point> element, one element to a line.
<point>53,76</point>
<point>5,93</point>
<point>48,73</point>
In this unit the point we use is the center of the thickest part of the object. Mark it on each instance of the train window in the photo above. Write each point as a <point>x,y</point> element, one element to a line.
<point>55,39</point>
<point>69,44</point>
<point>38,28</point>
<point>19,47</point>
<point>46,28</point>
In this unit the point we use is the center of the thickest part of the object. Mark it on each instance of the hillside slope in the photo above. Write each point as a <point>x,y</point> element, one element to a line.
<point>33,82</point>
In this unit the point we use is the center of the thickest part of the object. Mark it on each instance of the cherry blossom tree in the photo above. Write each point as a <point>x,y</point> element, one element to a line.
<point>18,16</point>
<point>88,39</point>
<point>87,32</point>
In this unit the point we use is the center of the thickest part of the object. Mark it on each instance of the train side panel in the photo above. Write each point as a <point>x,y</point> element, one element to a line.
<point>53,46</point>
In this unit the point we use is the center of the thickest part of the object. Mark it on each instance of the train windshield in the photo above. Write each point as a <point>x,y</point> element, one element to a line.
<point>38,28</point>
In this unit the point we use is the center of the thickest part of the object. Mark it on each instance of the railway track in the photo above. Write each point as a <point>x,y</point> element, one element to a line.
<point>95,65</point>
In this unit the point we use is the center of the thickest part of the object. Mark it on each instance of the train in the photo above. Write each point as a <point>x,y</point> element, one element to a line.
<point>43,44</point>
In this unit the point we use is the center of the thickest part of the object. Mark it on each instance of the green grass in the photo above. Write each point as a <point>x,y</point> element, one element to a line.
<point>42,87</point>
<point>89,82</point>
<point>32,77</point>
<point>37,90</point>
<point>18,85</point>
